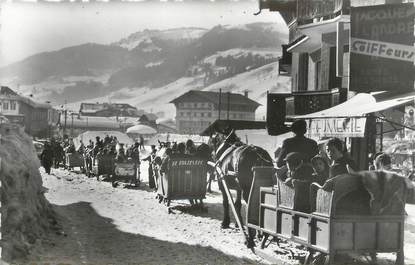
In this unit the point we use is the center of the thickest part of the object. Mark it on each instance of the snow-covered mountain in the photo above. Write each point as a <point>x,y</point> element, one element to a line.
<point>180,35</point>
<point>149,68</point>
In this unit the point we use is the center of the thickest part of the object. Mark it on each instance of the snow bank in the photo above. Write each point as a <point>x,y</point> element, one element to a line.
<point>26,214</point>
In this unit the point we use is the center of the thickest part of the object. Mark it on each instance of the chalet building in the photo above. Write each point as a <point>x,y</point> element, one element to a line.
<point>339,49</point>
<point>318,56</point>
<point>148,119</point>
<point>196,110</point>
<point>37,118</point>
<point>108,110</point>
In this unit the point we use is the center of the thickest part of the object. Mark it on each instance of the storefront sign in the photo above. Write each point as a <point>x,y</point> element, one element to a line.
<point>336,127</point>
<point>381,48</point>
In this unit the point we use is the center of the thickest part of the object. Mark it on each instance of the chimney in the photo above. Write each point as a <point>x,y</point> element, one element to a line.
<point>246,93</point>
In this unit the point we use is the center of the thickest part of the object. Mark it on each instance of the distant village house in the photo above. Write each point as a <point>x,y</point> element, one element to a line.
<point>105,117</point>
<point>108,110</point>
<point>37,118</point>
<point>196,110</point>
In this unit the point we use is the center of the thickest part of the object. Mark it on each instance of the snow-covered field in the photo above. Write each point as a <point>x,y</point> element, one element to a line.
<point>106,225</point>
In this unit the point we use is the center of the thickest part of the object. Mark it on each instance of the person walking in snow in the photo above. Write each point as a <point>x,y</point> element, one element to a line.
<point>47,157</point>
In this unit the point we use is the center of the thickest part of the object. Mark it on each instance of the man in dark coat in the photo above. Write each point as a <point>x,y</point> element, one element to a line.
<point>299,143</point>
<point>59,154</point>
<point>47,157</point>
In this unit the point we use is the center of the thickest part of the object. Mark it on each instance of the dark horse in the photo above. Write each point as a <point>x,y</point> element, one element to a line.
<point>235,156</point>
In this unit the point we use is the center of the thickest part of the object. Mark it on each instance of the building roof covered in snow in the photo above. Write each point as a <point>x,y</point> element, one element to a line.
<point>10,94</point>
<point>213,97</point>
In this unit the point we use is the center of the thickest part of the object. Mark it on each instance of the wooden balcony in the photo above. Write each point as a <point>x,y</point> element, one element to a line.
<point>307,11</point>
<point>304,102</point>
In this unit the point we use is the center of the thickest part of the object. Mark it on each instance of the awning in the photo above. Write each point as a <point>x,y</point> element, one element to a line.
<point>223,126</point>
<point>349,118</point>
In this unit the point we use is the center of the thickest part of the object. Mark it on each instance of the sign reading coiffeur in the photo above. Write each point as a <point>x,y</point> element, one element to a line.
<point>381,48</point>
<point>337,127</point>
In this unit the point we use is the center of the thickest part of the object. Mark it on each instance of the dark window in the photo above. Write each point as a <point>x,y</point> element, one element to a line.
<point>13,105</point>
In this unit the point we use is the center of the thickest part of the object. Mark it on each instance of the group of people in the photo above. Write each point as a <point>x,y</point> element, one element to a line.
<point>172,150</point>
<point>302,159</point>
<point>53,154</point>
<point>108,147</point>
<point>55,150</point>
<point>299,158</point>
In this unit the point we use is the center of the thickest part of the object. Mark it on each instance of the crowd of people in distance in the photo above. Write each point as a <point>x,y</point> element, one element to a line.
<point>54,151</point>
<point>110,148</point>
<point>301,159</point>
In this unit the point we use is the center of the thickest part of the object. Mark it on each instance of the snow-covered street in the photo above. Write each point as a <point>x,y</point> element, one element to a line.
<point>106,225</point>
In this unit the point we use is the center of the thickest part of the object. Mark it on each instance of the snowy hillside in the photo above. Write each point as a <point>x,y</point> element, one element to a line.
<point>151,67</point>
<point>156,100</point>
<point>257,82</point>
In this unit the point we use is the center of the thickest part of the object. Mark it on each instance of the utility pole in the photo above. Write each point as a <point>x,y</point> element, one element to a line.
<point>228,105</point>
<point>72,124</point>
<point>220,99</point>
<point>66,118</point>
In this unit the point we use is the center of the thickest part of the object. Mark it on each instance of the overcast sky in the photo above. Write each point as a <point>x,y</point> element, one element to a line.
<point>30,28</point>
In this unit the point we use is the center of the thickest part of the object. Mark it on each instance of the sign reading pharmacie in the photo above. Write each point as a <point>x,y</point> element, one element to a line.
<point>381,48</point>
<point>336,127</point>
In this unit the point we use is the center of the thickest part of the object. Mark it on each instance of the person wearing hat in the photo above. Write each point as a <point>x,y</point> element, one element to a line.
<point>297,168</point>
<point>299,143</point>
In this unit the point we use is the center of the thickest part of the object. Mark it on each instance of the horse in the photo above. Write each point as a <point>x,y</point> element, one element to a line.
<point>240,158</point>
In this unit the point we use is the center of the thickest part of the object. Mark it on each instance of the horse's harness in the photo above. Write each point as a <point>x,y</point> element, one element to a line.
<point>229,151</point>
